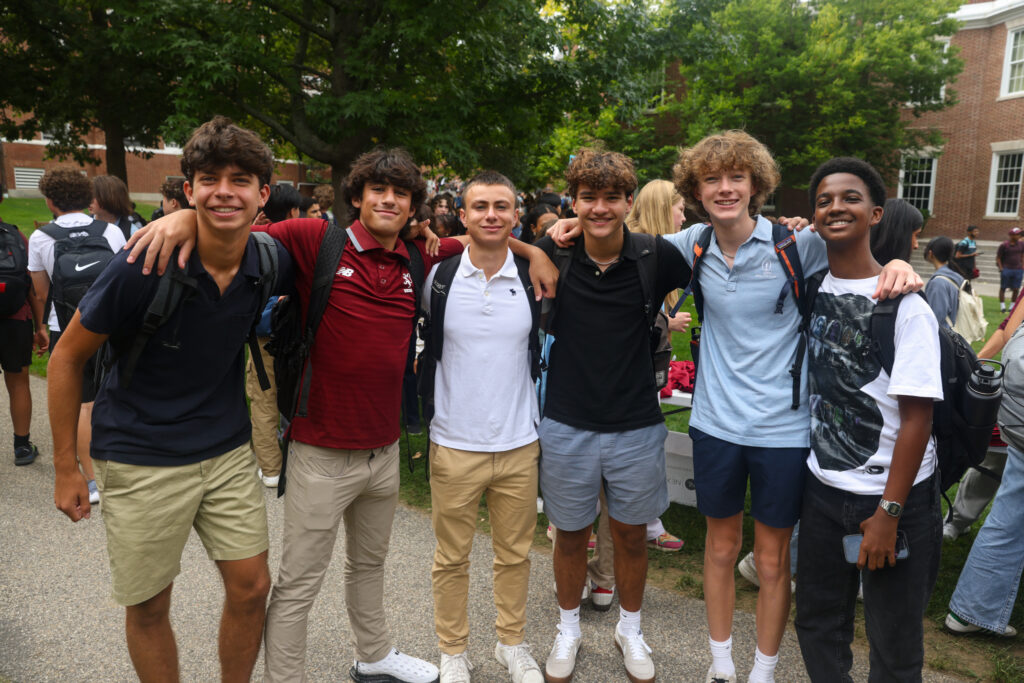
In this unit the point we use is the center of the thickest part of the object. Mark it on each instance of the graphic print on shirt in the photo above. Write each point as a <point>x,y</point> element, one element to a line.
<point>845,422</point>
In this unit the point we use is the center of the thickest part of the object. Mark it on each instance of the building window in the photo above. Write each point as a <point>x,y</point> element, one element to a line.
<point>917,181</point>
<point>1004,188</point>
<point>1013,70</point>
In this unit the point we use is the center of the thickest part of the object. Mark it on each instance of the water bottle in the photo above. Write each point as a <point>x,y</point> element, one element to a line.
<point>979,404</point>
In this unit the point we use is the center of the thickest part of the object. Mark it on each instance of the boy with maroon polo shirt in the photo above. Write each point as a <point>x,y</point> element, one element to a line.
<point>343,461</point>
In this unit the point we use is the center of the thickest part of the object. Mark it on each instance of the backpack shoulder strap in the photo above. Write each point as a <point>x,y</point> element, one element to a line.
<point>439,288</point>
<point>97,228</point>
<point>789,257</point>
<point>53,230</point>
<point>883,331</point>
<point>523,266</point>
<point>700,248</point>
<point>562,258</point>
<point>811,287</point>
<point>328,256</point>
<point>418,273</point>
<point>266,247</point>
<point>647,266</point>
<point>172,289</point>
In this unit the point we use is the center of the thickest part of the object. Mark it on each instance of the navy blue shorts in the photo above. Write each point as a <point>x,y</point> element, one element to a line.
<point>1010,279</point>
<point>721,470</point>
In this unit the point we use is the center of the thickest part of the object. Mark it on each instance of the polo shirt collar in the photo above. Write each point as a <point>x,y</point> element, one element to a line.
<point>362,240</point>
<point>762,229</point>
<point>249,268</point>
<point>508,269</point>
<point>630,248</point>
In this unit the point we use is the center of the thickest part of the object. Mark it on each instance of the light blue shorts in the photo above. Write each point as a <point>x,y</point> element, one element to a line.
<point>574,463</point>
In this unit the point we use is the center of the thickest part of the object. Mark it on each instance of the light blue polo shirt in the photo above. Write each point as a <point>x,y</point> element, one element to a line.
<point>744,391</point>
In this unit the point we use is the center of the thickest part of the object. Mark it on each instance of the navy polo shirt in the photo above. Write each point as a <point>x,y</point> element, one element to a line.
<point>186,402</point>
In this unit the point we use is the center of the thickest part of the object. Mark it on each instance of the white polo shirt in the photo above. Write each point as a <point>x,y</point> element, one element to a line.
<point>40,248</point>
<point>484,397</point>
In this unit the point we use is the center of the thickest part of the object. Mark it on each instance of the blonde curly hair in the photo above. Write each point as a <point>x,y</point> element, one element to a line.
<point>731,149</point>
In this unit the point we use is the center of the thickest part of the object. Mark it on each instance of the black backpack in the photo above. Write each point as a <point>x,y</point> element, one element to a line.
<point>79,256</point>
<point>958,445</point>
<point>15,283</point>
<point>789,257</point>
<point>176,286</point>
<point>657,321</point>
<point>291,338</point>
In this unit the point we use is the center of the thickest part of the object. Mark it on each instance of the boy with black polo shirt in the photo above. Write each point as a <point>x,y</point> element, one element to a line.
<point>872,462</point>
<point>171,450</point>
<point>602,425</point>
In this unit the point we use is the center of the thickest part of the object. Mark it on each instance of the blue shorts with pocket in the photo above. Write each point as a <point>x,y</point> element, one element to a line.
<point>721,470</point>
<point>1010,278</point>
<point>575,463</point>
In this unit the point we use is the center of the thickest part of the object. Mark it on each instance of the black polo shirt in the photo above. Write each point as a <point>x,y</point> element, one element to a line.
<point>600,374</point>
<point>186,402</point>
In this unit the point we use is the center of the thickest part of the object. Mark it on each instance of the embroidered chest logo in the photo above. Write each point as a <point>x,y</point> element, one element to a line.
<point>512,291</point>
<point>407,282</point>
<point>347,272</point>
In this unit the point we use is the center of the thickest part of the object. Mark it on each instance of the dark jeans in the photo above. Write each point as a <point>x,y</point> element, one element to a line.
<point>410,399</point>
<point>894,597</point>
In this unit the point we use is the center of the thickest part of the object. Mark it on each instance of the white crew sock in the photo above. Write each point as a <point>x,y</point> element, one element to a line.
<point>721,657</point>
<point>570,623</point>
<point>764,667</point>
<point>629,622</point>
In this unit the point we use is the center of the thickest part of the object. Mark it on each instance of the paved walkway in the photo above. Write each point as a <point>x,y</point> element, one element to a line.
<point>58,623</point>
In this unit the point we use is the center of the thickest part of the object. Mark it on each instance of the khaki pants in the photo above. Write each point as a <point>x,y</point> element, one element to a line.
<point>457,479</point>
<point>326,485</point>
<point>264,415</point>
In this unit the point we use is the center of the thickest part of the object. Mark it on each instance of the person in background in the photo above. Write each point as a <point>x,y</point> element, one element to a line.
<point>308,208</point>
<point>895,236</point>
<point>967,252</point>
<point>943,289</point>
<point>442,204</point>
<point>112,204</point>
<point>1009,258</point>
<point>324,196</point>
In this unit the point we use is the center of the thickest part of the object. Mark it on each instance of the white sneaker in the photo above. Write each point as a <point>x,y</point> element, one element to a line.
<point>398,667</point>
<point>583,596</point>
<point>562,660</point>
<point>748,570</point>
<point>521,665</point>
<point>271,482</point>
<point>959,627</point>
<point>636,655</point>
<point>540,505</point>
<point>714,677</point>
<point>601,598</point>
<point>455,668</point>
<point>950,532</point>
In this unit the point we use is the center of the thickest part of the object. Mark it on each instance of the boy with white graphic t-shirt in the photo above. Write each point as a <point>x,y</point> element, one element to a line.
<point>872,455</point>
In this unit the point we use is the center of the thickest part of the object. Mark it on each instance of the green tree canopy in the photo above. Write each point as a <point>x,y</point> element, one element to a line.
<point>71,66</point>
<point>820,79</point>
<point>463,84</point>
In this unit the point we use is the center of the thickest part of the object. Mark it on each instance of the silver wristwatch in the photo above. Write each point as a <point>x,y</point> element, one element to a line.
<point>892,508</point>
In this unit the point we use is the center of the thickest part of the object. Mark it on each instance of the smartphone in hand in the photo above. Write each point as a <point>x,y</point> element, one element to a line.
<point>851,546</point>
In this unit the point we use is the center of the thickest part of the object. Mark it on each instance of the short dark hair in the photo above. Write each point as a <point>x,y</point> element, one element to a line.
<point>67,188</point>
<point>853,166</point>
<point>218,143</point>
<point>893,236</point>
<point>941,248</point>
<point>174,188</point>
<point>599,170</point>
<point>972,228</point>
<point>393,166</point>
<point>112,195</point>
<point>283,198</point>
<point>488,178</point>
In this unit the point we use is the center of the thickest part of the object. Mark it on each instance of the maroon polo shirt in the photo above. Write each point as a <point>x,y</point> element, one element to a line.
<point>361,345</point>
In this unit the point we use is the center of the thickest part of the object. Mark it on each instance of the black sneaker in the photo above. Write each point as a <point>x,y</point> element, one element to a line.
<point>25,455</point>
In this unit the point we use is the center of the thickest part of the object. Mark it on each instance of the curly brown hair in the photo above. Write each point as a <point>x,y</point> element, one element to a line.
<point>67,188</point>
<point>393,166</point>
<point>219,143</point>
<point>324,196</point>
<point>599,170</point>
<point>731,149</point>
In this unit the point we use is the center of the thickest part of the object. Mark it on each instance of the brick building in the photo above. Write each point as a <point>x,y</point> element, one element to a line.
<point>977,177</point>
<point>24,164</point>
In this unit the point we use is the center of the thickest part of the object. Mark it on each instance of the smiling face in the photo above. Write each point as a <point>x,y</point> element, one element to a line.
<point>384,210</point>
<point>601,212</point>
<point>843,209</point>
<point>226,198</point>
<point>490,214</point>
<point>725,195</point>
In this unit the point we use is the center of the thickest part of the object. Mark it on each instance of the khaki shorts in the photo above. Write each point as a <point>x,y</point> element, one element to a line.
<point>150,511</point>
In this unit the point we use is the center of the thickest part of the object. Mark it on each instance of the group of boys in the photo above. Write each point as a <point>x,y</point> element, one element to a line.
<point>186,434</point>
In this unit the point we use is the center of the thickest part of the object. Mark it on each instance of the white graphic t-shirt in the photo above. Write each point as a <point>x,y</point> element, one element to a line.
<point>854,410</point>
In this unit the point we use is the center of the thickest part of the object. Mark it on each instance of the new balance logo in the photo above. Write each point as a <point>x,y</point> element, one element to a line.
<point>79,267</point>
<point>347,272</point>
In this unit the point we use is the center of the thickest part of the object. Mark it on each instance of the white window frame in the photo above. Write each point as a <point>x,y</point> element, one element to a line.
<point>930,156</point>
<point>1004,88</point>
<point>1000,150</point>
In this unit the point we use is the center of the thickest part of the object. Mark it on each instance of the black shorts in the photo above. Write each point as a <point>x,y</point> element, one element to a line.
<point>15,344</point>
<point>88,373</point>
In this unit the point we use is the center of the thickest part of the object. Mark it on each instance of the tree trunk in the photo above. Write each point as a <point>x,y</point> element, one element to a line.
<point>117,165</point>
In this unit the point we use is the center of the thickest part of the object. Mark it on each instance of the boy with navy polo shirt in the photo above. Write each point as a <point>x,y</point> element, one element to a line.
<point>171,450</point>
<point>872,461</point>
